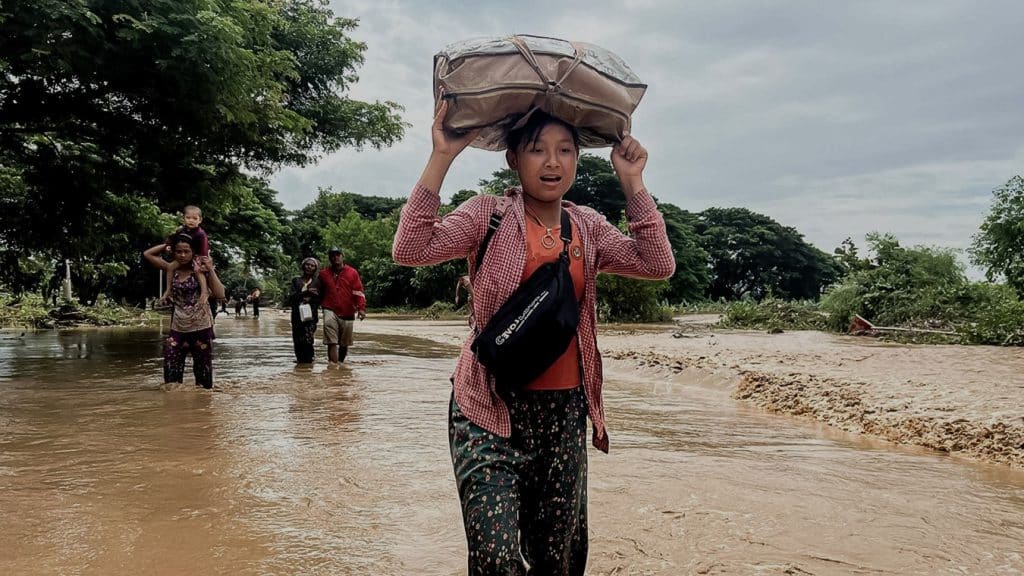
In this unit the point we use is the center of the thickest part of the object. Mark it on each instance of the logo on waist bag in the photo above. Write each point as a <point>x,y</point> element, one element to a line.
<point>576,252</point>
<point>518,322</point>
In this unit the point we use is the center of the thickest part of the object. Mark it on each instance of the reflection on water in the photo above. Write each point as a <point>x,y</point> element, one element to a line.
<point>291,469</point>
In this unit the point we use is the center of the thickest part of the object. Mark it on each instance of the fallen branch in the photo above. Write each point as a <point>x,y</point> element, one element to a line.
<point>861,326</point>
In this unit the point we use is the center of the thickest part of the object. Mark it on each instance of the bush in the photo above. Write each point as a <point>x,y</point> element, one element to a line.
<point>23,311</point>
<point>995,316</point>
<point>902,287</point>
<point>31,311</point>
<point>841,303</point>
<point>621,299</point>
<point>774,315</point>
<point>440,309</point>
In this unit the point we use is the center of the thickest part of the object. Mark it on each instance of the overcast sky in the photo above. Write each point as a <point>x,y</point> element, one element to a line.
<point>836,118</point>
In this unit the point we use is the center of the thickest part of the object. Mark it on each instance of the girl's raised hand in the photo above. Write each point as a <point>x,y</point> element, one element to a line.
<point>629,158</point>
<point>446,142</point>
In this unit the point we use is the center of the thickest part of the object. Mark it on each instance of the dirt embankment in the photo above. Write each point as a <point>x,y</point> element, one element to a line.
<point>967,400</point>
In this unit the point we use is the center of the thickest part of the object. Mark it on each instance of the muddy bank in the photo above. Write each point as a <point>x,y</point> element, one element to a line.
<point>964,400</point>
<point>849,405</point>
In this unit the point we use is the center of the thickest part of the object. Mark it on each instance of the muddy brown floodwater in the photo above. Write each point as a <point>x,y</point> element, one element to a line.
<point>315,470</point>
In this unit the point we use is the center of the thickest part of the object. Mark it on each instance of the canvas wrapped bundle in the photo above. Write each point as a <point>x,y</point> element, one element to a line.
<point>493,83</point>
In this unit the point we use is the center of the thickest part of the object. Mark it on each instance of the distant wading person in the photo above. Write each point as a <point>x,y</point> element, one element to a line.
<point>461,284</point>
<point>191,321</point>
<point>254,298</point>
<point>519,456</point>
<point>305,292</point>
<point>343,301</point>
<point>240,306</point>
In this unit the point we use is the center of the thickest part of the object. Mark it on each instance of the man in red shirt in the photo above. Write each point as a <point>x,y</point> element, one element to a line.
<point>343,301</point>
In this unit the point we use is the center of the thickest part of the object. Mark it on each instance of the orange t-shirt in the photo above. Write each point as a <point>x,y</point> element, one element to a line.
<point>565,372</point>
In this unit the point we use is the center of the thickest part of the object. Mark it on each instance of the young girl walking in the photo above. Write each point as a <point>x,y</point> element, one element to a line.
<point>519,456</point>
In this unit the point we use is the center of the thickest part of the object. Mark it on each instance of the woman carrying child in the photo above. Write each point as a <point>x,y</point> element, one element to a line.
<point>191,322</point>
<point>519,456</point>
<point>191,218</point>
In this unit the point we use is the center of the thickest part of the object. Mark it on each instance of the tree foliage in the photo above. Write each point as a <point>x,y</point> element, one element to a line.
<point>693,264</point>
<point>360,238</point>
<point>848,259</point>
<point>598,187</point>
<point>999,245</point>
<point>755,256</point>
<point>622,299</point>
<point>925,287</point>
<point>115,113</point>
<point>461,196</point>
<point>310,224</point>
<point>902,286</point>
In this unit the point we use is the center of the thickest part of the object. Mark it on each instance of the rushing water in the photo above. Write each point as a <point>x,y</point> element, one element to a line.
<point>287,469</point>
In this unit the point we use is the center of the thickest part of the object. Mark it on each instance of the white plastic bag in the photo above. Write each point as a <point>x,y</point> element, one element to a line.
<point>305,312</point>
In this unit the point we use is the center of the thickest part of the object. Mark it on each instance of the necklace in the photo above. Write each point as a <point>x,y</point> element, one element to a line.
<point>547,241</point>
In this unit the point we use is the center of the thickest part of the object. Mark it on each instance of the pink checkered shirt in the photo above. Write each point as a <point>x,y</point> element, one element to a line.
<point>423,238</point>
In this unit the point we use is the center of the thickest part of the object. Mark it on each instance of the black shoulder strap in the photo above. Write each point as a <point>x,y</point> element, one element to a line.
<point>491,227</point>
<point>566,232</point>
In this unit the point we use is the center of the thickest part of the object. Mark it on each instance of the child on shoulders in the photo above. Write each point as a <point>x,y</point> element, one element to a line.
<point>191,218</point>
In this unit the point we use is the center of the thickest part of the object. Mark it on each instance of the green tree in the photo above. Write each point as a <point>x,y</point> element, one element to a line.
<point>598,187</point>
<point>693,265</point>
<point>848,258</point>
<point>999,245</point>
<point>500,181</point>
<point>901,286</point>
<point>622,299</point>
<point>386,283</point>
<point>361,239</point>
<point>309,224</point>
<point>461,196</point>
<point>250,223</point>
<point>755,256</point>
<point>113,111</point>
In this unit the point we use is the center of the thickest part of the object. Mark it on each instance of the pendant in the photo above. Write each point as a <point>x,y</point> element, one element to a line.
<point>548,241</point>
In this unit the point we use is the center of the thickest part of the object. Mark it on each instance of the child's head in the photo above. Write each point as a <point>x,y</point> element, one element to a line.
<point>191,217</point>
<point>544,152</point>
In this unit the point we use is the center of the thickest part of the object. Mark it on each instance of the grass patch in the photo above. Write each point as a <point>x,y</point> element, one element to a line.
<point>773,315</point>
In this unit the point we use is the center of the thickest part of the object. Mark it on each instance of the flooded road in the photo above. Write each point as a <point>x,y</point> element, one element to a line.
<point>318,470</point>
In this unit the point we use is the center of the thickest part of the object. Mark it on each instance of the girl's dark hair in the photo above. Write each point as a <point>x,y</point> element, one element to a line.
<point>530,132</point>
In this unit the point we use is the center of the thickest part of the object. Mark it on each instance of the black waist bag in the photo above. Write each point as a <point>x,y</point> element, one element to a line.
<point>535,326</point>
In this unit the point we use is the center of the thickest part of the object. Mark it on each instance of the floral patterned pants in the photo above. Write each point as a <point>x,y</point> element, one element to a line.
<point>524,498</point>
<point>178,345</point>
